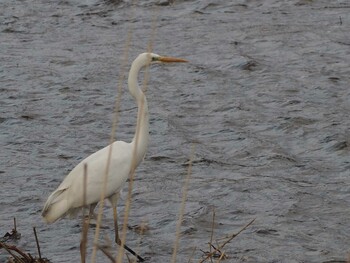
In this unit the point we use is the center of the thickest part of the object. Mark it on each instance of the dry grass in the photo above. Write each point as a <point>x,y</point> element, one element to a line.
<point>182,208</point>
<point>112,139</point>
<point>218,250</point>
<point>85,223</point>
<point>133,165</point>
<point>17,255</point>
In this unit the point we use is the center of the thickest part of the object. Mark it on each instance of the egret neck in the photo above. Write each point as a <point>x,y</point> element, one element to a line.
<point>142,126</point>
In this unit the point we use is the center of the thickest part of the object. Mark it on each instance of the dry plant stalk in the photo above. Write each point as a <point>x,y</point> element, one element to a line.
<point>85,223</point>
<point>9,250</point>
<point>114,128</point>
<point>133,163</point>
<point>223,256</point>
<point>236,234</point>
<point>20,256</point>
<point>217,249</point>
<point>106,252</point>
<point>212,232</point>
<point>13,235</point>
<point>194,250</point>
<point>128,201</point>
<point>183,203</point>
<point>37,243</point>
<point>141,231</point>
<point>131,178</point>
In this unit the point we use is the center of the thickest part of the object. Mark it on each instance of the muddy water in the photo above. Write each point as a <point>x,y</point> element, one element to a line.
<point>265,98</point>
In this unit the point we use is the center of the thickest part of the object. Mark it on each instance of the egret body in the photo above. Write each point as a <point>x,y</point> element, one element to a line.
<point>67,199</point>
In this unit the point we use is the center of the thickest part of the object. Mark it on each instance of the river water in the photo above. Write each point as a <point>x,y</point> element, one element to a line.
<point>265,100</point>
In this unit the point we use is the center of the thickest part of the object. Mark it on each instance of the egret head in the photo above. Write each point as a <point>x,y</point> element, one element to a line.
<point>151,58</point>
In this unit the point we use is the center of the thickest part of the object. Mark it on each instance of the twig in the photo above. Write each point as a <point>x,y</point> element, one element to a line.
<point>37,243</point>
<point>215,248</point>
<point>215,254</point>
<point>223,256</point>
<point>9,250</point>
<point>209,255</point>
<point>234,235</point>
<point>183,203</point>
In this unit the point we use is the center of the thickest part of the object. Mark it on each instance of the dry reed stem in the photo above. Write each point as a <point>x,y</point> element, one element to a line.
<point>133,164</point>
<point>183,203</point>
<point>226,242</point>
<point>130,186</point>
<point>106,252</point>
<point>190,259</point>
<point>85,223</point>
<point>14,224</point>
<point>22,256</point>
<point>114,127</point>
<point>150,48</point>
<point>212,232</point>
<point>236,234</point>
<point>143,229</point>
<point>128,201</point>
<point>37,243</point>
<point>9,250</point>
<point>223,256</point>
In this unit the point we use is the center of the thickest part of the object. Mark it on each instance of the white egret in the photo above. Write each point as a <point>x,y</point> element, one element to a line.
<point>67,199</point>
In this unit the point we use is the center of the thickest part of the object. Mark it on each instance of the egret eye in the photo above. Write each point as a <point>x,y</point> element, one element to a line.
<point>154,59</point>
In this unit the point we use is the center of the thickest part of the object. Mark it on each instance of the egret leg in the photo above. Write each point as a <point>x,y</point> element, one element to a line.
<point>117,239</point>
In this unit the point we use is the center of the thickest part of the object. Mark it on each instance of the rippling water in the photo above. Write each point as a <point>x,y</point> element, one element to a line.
<point>265,98</point>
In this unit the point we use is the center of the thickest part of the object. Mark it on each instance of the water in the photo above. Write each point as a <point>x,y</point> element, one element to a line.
<point>265,98</point>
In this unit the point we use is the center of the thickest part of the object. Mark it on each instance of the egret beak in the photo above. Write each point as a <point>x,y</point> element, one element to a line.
<point>171,59</point>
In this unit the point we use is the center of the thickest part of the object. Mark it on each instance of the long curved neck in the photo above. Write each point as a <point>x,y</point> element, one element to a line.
<point>140,139</point>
